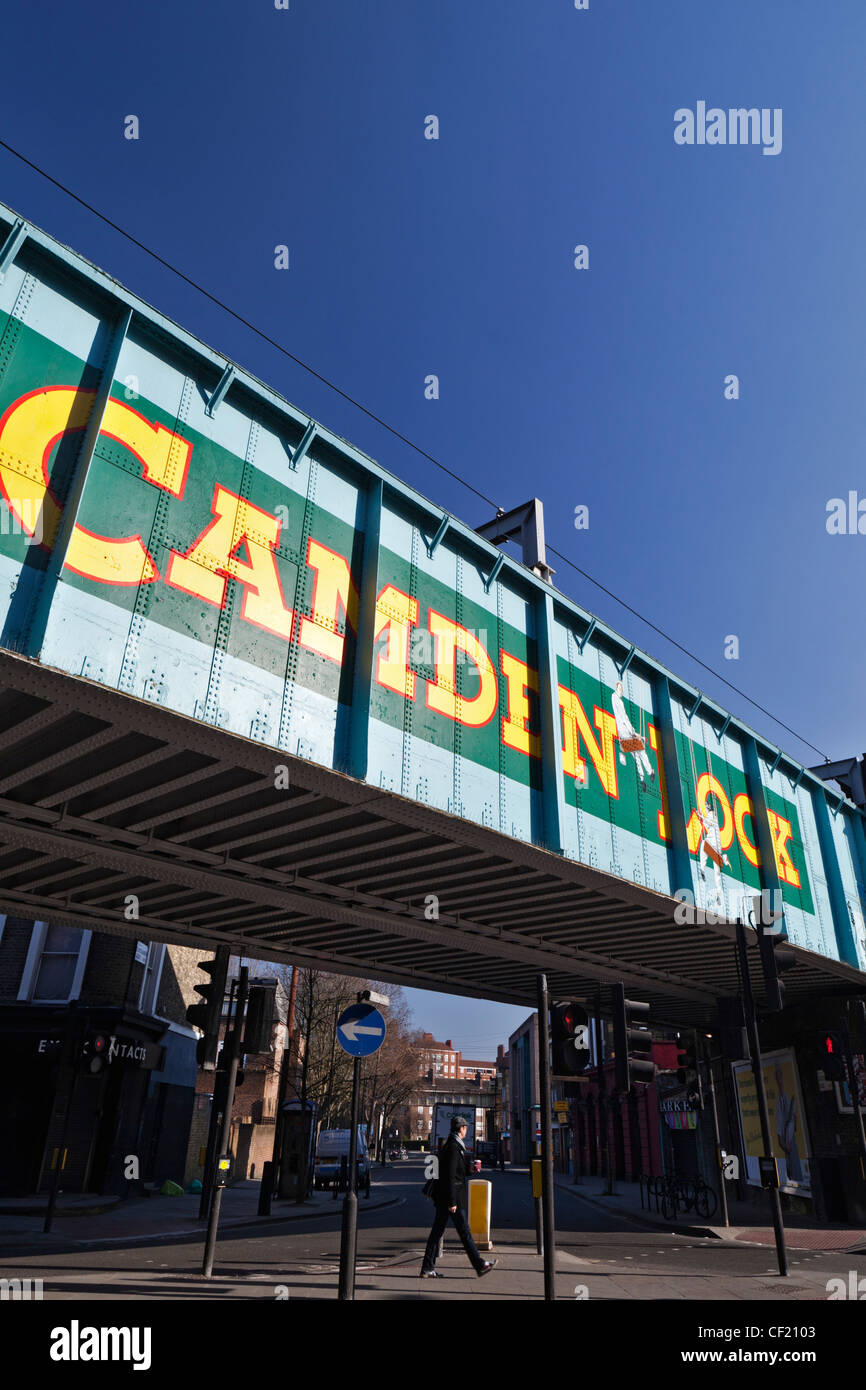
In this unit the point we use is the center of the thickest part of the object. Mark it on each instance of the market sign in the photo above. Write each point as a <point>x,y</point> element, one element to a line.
<point>229,551</point>
<point>233,563</point>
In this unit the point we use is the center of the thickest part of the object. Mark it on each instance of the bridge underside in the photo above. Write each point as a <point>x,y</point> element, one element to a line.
<point>104,796</point>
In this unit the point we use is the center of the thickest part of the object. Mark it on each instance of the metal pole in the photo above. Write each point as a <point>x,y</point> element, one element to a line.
<point>225,1130</point>
<point>283,1085</point>
<point>854,1088</point>
<point>75,1034</point>
<point>213,1128</point>
<point>717,1140</point>
<point>547,1188</point>
<point>349,1232</point>
<point>755,1049</point>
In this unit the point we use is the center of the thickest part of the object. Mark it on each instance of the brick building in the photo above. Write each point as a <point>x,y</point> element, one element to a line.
<point>446,1076</point>
<point>445,1061</point>
<point>101,1062</point>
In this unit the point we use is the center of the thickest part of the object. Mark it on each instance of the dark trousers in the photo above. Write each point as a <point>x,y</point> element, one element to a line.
<point>461,1226</point>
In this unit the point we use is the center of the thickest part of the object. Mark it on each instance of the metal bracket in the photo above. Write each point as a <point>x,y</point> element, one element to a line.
<point>800,776</point>
<point>776,761</point>
<point>12,245</point>
<point>724,729</point>
<point>625,665</point>
<point>586,636</point>
<point>309,436</point>
<point>491,578</point>
<point>225,382</point>
<point>695,707</point>
<point>524,524</point>
<point>433,545</point>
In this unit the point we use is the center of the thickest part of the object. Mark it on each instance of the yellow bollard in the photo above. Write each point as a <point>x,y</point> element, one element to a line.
<point>480,1206</point>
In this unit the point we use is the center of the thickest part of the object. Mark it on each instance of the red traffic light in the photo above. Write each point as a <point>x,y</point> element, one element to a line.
<point>99,1044</point>
<point>833,1054</point>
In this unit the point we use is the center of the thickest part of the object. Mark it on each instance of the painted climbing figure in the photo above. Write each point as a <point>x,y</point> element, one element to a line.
<point>630,741</point>
<point>711,848</point>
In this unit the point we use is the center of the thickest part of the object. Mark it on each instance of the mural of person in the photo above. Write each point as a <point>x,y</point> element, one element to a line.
<point>711,848</point>
<point>629,739</point>
<point>786,1129</point>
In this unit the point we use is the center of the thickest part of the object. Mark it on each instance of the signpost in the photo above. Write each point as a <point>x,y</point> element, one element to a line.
<point>360,1033</point>
<point>360,1030</point>
<point>223,1162</point>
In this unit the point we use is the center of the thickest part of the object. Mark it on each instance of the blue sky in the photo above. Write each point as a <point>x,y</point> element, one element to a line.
<point>602,387</point>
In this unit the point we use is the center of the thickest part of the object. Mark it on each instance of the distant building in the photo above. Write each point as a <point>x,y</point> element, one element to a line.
<point>502,1106</point>
<point>525,1104</point>
<point>445,1076</point>
<point>446,1062</point>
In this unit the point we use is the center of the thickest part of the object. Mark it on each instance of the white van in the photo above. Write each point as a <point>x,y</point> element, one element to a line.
<point>332,1145</point>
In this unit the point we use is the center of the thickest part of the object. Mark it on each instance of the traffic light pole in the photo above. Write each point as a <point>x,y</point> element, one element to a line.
<point>75,1033</point>
<point>217,1111</point>
<point>225,1130</point>
<point>755,1049</point>
<point>854,1088</point>
<point>349,1232</point>
<point>547,1189</point>
<point>717,1138</point>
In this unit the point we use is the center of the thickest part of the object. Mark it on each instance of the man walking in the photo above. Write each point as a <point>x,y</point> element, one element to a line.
<point>451,1201</point>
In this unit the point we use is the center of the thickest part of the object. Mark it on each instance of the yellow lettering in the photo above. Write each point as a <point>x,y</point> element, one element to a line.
<point>396,612</point>
<point>334,592</point>
<point>575,725</point>
<point>781,830</point>
<point>519,678</point>
<point>442,693</point>
<point>743,807</point>
<point>212,560</point>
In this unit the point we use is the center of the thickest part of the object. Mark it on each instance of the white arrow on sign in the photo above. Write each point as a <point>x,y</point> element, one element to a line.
<point>353,1028</point>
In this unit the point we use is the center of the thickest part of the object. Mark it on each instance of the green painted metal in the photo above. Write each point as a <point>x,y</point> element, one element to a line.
<point>220,552</point>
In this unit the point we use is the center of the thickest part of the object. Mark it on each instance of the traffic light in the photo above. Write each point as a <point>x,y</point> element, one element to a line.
<point>687,1059</point>
<point>94,1054</point>
<point>832,1055</point>
<point>207,1014</point>
<point>261,1011</point>
<point>569,1037</point>
<point>631,1044</point>
<point>776,955</point>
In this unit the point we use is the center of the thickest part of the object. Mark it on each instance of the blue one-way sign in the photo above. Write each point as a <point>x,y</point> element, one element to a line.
<point>360,1030</point>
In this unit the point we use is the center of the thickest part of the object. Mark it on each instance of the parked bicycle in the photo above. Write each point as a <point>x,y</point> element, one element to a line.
<point>687,1193</point>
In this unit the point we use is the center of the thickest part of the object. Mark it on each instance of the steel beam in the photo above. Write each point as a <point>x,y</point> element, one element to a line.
<point>553,777</point>
<point>38,623</point>
<point>12,245</point>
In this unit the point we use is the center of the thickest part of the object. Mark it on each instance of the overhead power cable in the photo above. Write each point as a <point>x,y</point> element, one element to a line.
<point>392,430</point>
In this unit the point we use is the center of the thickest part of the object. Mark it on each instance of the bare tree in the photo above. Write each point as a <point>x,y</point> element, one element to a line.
<point>388,1077</point>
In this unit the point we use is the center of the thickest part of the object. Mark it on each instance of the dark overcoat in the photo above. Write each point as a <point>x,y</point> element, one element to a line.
<point>453,1172</point>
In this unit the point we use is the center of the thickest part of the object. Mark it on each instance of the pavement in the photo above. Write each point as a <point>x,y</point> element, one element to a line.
<point>607,1249</point>
<point>144,1219</point>
<point>750,1222</point>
